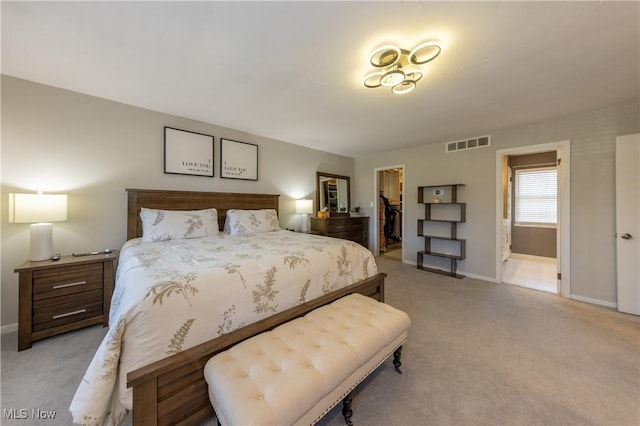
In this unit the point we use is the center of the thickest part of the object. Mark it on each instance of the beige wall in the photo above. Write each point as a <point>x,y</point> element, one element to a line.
<point>92,149</point>
<point>592,135</point>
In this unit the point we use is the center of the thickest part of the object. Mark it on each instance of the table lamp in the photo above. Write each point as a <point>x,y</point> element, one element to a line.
<point>305,208</point>
<point>39,210</point>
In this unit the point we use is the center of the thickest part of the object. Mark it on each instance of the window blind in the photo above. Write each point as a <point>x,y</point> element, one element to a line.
<point>536,194</point>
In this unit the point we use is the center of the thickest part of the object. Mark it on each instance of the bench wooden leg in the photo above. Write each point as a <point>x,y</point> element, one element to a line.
<point>396,359</point>
<point>347,412</point>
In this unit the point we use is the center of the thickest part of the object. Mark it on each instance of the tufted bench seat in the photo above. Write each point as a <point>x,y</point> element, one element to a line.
<point>299,371</point>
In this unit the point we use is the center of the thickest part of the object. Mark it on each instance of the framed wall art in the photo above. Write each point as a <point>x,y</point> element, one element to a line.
<point>238,160</point>
<point>187,153</point>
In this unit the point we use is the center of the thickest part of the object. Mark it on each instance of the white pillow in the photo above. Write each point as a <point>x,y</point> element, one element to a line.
<point>251,221</point>
<point>160,225</point>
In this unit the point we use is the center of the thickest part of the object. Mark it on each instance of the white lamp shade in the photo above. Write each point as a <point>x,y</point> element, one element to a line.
<point>304,206</point>
<point>39,210</point>
<point>36,208</point>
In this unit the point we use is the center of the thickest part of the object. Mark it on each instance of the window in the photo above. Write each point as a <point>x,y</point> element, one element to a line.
<point>536,194</point>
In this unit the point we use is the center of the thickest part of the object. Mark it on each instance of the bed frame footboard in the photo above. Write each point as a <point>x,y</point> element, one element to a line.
<point>173,391</point>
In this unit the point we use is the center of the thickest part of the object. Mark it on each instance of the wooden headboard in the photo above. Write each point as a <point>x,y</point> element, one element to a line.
<point>191,200</point>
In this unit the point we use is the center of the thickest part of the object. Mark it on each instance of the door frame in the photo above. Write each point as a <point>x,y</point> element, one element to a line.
<point>627,205</point>
<point>376,204</point>
<point>563,237</point>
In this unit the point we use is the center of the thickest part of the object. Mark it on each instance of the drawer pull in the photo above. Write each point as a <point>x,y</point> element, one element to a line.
<point>68,314</point>
<point>69,285</point>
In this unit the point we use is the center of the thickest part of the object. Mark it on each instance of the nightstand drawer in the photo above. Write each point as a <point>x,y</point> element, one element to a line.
<point>67,310</point>
<point>67,280</point>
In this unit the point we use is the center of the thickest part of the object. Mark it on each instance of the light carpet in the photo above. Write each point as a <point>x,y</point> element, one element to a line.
<point>478,354</point>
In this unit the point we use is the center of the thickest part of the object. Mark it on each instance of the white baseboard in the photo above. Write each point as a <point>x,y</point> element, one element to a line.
<point>493,280</point>
<point>410,262</point>
<point>478,277</point>
<point>466,274</point>
<point>594,301</point>
<point>533,258</point>
<point>9,328</point>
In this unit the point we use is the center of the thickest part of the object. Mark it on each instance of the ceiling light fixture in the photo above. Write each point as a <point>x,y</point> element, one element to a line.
<point>399,68</point>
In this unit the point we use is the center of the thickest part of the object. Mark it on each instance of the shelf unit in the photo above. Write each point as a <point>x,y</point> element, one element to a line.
<point>431,209</point>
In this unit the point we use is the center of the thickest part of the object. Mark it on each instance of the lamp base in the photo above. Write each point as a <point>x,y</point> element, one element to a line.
<point>41,241</point>
<point>304,223</point>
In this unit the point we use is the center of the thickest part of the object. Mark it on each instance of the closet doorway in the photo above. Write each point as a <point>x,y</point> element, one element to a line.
<point>532,242</point>
<point>389,219</point>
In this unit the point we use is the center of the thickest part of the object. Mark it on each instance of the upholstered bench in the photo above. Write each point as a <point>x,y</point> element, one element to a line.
<point>299,371</point>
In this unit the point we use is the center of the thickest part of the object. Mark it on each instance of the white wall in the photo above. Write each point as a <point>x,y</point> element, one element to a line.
<point>592,135</point>
<point>92,149</point>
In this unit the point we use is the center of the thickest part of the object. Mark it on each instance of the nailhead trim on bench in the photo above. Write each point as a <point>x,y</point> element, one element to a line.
<point>341,398</point>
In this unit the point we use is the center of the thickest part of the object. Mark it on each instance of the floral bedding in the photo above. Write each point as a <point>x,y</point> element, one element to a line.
<point>173,295</point>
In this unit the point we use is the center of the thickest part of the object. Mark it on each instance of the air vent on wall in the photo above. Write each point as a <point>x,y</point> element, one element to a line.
<point>479,142</point>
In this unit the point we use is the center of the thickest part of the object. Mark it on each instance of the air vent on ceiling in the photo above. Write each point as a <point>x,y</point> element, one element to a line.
<point>479,142</point>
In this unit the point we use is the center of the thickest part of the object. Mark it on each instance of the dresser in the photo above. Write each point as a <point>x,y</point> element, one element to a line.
<point>348,228</point>
<point>63,295</point>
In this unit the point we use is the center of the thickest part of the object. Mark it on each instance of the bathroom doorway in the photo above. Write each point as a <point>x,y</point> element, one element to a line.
<point>532,242</point>
<point>530,225</point>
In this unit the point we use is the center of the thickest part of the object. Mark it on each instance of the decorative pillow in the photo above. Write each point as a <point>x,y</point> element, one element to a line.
<point>251,221</point>
<point>160,225</point>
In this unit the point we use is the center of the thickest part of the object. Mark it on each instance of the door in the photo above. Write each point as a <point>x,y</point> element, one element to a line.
<point>628,223</point>
<point>559,232</point>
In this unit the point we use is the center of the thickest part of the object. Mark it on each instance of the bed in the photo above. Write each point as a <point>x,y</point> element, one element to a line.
<point>167,386</point>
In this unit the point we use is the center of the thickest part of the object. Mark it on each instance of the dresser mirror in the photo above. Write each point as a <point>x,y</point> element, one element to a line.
<point>332,192</point>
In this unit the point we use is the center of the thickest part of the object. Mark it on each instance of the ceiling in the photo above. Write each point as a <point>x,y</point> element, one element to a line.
<point>293,71</point>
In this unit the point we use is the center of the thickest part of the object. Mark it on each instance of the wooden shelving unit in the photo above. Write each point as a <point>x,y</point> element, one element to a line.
<point>447,207</point>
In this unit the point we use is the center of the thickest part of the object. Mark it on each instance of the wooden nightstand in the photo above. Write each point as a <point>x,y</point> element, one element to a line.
<point>64,295</point>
